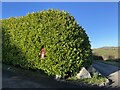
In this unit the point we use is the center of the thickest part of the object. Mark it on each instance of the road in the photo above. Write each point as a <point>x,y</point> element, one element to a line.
<point>109,71</point>
<point>20,78</point>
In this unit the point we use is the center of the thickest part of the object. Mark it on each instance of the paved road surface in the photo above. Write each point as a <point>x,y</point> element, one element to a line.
<point>26,79</point>
<point>0,76</point>
<point>13,78</point>
<point>111,72</point>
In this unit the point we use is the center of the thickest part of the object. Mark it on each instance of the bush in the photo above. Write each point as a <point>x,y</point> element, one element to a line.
<point>67,46</point>
<point>96,57</point>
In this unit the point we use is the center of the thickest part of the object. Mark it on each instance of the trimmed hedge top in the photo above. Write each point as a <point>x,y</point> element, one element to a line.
<point>67,46</point>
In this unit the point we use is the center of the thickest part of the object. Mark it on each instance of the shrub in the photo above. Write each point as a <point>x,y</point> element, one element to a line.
<point>67,46</point>
<point>96,57</point>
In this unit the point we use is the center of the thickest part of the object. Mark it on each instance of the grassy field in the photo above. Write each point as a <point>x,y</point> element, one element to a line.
<point>110,55</point>
<point>107,53</point>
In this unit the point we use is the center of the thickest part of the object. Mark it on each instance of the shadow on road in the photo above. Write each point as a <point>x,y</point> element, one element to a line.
<point>30,79</point>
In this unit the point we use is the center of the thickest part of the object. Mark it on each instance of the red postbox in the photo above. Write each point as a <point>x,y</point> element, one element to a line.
<point>42,53</point>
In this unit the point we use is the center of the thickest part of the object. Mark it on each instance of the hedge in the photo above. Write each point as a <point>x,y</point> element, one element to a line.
<point>67,46</point>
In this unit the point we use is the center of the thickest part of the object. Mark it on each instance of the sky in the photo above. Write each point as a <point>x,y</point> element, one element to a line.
<point>99,19</point>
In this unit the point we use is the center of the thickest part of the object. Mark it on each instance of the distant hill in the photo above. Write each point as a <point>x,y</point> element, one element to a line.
<point>107,53</point>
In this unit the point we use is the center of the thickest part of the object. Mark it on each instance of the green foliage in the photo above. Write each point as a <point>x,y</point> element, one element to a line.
<point>67,46</point>
<point>95,79</point>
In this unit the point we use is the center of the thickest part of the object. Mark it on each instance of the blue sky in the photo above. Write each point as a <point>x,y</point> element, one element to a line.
<point>99,19</point>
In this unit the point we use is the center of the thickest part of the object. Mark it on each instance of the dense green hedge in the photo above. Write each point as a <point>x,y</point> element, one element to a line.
<point>67,46</point>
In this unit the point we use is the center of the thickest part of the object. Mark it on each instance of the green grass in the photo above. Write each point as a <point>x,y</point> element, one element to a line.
<point>96,80</point>
<point>106,52</point>
<point>109,54</point>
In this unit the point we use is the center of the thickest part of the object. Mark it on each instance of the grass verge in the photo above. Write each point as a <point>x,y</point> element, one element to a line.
<point>95,80</point>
